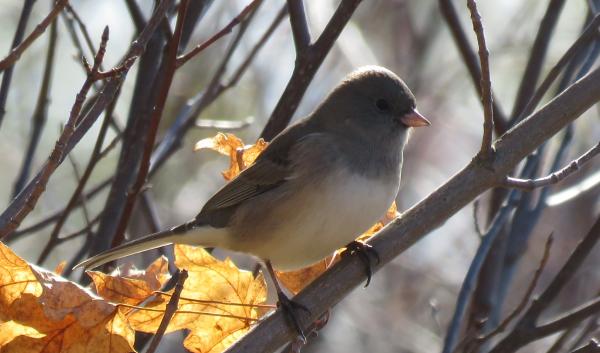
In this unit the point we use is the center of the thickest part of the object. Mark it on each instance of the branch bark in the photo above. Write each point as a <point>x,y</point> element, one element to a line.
<point>308,62</point>
<point>430,213</point>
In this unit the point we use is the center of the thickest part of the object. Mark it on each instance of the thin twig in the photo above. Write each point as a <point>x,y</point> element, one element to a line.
<point>182,59</point>
<point>39,114</point>
<point>77,196</point>
<point>486,83</point>
<point>520,307</point>
<point>553,178</point>
<point>526,330</point>
<point>170,310</point>
<point>17,38</point>
<point>48,220</point>
<point>468,285</point>
<point>15,53</point>
<point>22,205</point>
<point>194,107</point>
<point>470,59</point>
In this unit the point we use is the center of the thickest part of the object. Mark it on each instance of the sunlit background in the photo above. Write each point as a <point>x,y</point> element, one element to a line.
<point>408,304</point>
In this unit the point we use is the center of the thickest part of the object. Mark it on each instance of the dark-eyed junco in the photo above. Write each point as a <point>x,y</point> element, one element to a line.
<point>318,185</point>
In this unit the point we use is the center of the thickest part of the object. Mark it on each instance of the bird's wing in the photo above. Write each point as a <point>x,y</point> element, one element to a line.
<point>271,169</point>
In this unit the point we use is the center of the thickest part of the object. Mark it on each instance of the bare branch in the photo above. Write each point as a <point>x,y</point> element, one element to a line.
<point>17,38</point>
<point>15,53</point>
<point>471,62</point>
<point>486,83</point>
<point>305,69</point>
<point>522,305</point>
<point>299,25</point>
<point>170,310</point>
<point>165,77</point>
<point>182,59</point>
<point>22,205</point>
<point>430,213</point>
<point>554,178</point>
<point>526,329</point>
<point>589,33</point>
<point>536,57</point>
<point>39,114</point>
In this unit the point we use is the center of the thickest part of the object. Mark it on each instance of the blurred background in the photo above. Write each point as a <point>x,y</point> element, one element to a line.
<point>409,303</point>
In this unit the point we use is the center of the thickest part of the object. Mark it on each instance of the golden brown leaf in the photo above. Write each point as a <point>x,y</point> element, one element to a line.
<point>205,307</point>
<point>240,156</point>
<point>60,267</point>
<point>46,313</point>
<point>132,287</point>
<point>296,280</point>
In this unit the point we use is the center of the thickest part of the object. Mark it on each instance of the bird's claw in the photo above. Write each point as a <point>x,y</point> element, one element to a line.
<point>289,307</point>
<point>365,252</point>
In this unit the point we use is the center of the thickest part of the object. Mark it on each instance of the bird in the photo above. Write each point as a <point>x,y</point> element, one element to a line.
<point>318,185</point>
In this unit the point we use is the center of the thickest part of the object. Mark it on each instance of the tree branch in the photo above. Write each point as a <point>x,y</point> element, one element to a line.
<point>182,59</point>
<point>554,178</point>
<point>299,25</point>
<point>470,59</point>
<point>486,83</point>
<point>307,64</point>
<point>16,52</point>
<point>22,205</point>
<point>430,213</point>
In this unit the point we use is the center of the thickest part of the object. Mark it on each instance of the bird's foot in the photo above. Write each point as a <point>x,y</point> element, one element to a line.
<point>289,307</point>
<point>365,252</point>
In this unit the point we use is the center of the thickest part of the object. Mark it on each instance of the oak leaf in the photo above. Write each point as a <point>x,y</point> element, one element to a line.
<point>43,312</point>
<point>217,304</point>
<point>132,286</point>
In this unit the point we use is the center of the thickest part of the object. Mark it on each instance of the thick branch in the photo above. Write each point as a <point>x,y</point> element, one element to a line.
<point>430,213</point>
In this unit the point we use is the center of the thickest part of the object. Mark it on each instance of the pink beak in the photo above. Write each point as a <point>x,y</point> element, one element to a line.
<point>414,119</point>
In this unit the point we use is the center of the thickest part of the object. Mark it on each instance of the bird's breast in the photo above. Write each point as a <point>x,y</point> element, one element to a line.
<point>316,216</point>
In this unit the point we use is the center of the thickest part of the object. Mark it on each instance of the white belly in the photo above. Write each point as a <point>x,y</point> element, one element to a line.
<point>326,216</point>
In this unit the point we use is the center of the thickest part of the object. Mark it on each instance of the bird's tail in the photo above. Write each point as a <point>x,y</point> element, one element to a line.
<point>152,241</point>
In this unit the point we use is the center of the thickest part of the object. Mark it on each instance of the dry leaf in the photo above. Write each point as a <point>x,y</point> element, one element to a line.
<point>240,156</point>
<point>213,323</point>
<point>134,286</point>
<point>60,267</point>
<point>296,280</point>
<point>46,313</point>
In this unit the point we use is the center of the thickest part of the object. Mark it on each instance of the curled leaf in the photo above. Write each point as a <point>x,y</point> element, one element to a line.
<point>240,156</point>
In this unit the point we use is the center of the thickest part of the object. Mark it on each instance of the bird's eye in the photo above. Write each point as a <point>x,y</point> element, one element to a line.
<point>382,105</point>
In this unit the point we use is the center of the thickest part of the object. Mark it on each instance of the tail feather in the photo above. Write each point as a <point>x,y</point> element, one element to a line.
<point>148,242</point>
<point>187,233</point>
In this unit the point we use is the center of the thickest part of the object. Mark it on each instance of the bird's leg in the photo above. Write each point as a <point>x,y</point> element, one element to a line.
<point>365,252</point>
<point>286,304</point>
